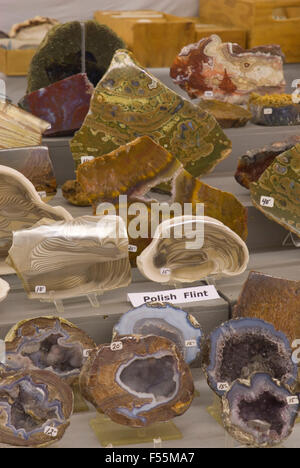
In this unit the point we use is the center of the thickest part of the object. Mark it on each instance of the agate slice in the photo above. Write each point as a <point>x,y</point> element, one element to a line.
<point>74,194</point>
<point>240,347</point>
<point>118,115</point>
<point>165,320</point>
<point>226,71</point>
<point>4,289</point>
<point>86,255</point>
<point>35,408</point>
<point>138,380</point>
<point>190,248</point>
<point>34,163</point>
<point>227,115</point>
<point>255,162</point>
<point>19,128</point>
<point>277,191</point>
<point>32,30</point>
<point>259,411</point>
<point>60,54</point>
<point>274,110</point>
<point>48,343</point>
<point>63,104</point>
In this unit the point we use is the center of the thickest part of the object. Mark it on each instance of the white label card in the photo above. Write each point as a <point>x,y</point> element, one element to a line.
<point>190,343</point>
<point>40,289</point>
<point>268,111</point>
<point>223,386</point>
<point>175,296</point>
<point>42,194</point>
<point>2,91</point>
<point>116,346</point>
<point>84,159</point>
<point>132,248</point>
<point>51,431</point>
<point>86,352</point>
<point>209,94</point>
<point>165,271</point>
<point>2,352</point>
<point>267,201</point>
<point>292,400</point>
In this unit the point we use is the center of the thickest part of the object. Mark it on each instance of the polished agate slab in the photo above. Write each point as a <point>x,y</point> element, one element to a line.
<point>162,319</point>
<point>35,164</point>
<point>256,161</point>
<point>63,104</point>
<point>141,381</point>
<point>226,71</point>
<point>129,102</point>
<point>4,289</point>
<point>226,114</point>
<point>19,128</point>
<point>258,411</point>
<point>74,194</point>
<point>48,343</point>
<point>184,256</point>
<point>35,407</point>
<point>280,184</point>
<point>86,255</point>
<point>274,110</point>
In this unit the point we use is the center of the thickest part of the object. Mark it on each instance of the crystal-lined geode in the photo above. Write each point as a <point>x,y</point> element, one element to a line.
<point>163,319</point>
<point>59,54</point>
<point>274,110</point>
<point>280,182</point>
<point>190,248</point>
<point>48,343</point>
<point>63,104</point>
<point>145,380</point>
<point>240,347</point>
<point>226,114</point>
<point>87,255</point>
<point>257,411</point>
<point>227,70</point>
<point>255,162</point>
<point>34,163</point>
<point>35,408</point>
<point>129,102</point>
<point>19,128</point>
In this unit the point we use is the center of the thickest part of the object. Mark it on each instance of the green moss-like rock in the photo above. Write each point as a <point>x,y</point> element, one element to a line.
<point>59,54</point>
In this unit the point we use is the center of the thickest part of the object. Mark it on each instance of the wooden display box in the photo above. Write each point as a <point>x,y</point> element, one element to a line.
<point>155,38</point>
<point>226,33</point>
<point>266,21</point>
<point>15,62</point>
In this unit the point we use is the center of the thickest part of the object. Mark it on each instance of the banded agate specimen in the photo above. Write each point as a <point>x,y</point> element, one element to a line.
<point>280,182</point>
<point>189,248</point>
<point>34,163</point>
<point>19,128</point>
<point>4,289</point>
<point>258,411</point>
<point>256,161</point>
<point>239,347</point>
<point>63,104</point>
<point>32,31</point>
<point>227,71</point>
<point>227,115</point>
<point>142,381</point>
<point>35,407</point>
<point>86,255</point>
<point>48,343</point>
<point>59,54</point>
<point>129,102</point>
<point>274,110</point>
<point>162,319</point>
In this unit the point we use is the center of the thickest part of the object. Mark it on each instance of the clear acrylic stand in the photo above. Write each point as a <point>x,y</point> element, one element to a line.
<point>58,303</point>
<point>291,240</point>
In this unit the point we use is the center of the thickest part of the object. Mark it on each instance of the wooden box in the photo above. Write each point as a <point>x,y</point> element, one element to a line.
<point>266,21</point>
<point>226,33</point>
<point>15,62</point>
<point>155,38</point>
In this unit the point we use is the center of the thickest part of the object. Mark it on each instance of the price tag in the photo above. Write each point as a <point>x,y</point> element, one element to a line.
<point>84,159</point>
<point>40,289</point>
<point>223,386</point>
<point>267,201</point>
<point>116,346</point>
<point>209,94</point>
<point>268,111</point>
<point>42,194</point>
<point>86,352</point>
<point>165,271</point>
<point>190,343</point>
<point>292,400</point>
<point>51,431</point>
<point>132,248</point>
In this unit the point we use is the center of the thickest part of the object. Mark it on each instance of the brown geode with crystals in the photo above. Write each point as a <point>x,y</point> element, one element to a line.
<point>145,380</point>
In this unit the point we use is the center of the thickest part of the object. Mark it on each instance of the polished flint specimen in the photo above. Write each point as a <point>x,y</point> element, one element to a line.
<point>19,128</point>
<point>129,102</point>
<point>258,412</point>
<point>256,161</point>
<point>130,170</point>
<point>218,204</point>
<point>87,255</point>
<point>239,347</point>
<point>162,319</point>
<point>227,70</point>
<point>60,53</point>
<point>274,110</point>
<point>74,194</point>
<point>35,407</point>
<point>4,289</point>
<point>142,381</point>
<point>48,343</point>
<point>280,182</point>
<point>21,206</point>
<point>190,248</point>
<point>34,163</point>
<point>33,30</point>
<point>63,104</point>
<point>227,115</point>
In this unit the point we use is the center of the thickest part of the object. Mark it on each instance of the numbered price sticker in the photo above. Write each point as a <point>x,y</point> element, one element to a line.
<point>116,346</point>
<point>208,94</point>
<point>165,271</point>
<point>40,289</point>
<point>42,194</point>
<point>84,159</point>
<point>190,343</point>
<point>132,248</point>
<point>292,400</point>
<point>268,111</point>
<point>51,431</point>
<point>223,386</point>
<point>267,201</point>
